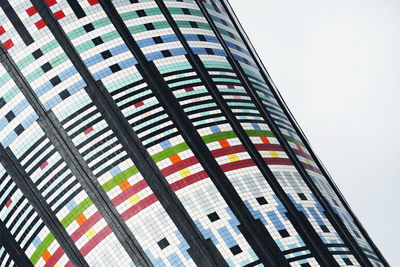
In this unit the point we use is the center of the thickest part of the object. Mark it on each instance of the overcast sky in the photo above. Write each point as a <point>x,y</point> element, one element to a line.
<point>337,64</point>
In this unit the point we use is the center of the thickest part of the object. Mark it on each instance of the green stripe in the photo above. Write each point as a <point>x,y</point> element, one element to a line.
<point>42,248</point>
<point>120,178</point>
<point>78,210</point>
<point>177,149</point>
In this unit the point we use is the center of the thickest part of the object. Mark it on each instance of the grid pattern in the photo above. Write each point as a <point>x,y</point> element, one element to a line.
<point>62,92</point>
<point>242,56</point>
<point>101,150</point>
<point>47,170</point>
<point>25,225</point>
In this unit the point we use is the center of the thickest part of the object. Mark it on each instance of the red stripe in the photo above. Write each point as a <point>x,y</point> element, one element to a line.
<point>129,192</point>
<point>237,165</point>
<point>179,166</point>
<point>69,264</point>
<point>86,226</point>
<point>227,151</point>
<point>277,161</point>
<point>191,179</point>
<point>144,203</point>
<point>95,240</point>
<point>302,154</point>
<point>55,257</point>
<point>311,168</point>
<point>268,147</point>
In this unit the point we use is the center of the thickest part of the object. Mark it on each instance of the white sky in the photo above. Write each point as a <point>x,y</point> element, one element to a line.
<point>337,64</point>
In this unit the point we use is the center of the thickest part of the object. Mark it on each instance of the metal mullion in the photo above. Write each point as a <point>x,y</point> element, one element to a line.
<point>61,141</point>
<point>135,149</point>
<point>187,130</point>
<point>336,222</point>
<point>298,129</point>
<point>12,248</point>
<point>33,195</point>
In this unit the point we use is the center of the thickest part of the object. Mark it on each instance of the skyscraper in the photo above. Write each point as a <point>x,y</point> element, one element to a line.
<point>148,133</point>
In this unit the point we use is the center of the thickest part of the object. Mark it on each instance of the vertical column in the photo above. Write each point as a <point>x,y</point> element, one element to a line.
<point>202,251</point>
<point>12,248</point>
<point>15,170</point>
<point>59,138</point>
<point>297,128</point>
<point>338,224</point>
<point>190,135</point>
<point>303,226</point>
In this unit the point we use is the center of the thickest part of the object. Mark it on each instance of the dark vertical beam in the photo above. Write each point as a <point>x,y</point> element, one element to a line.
<point>16,22</point>
<point>297,128</point>
<point>25,184</point>
<point>330,214</point>
<point>302,225</point>
<point>203,251</point>
<point>76,7</point>
<point>12,248</point>
<point>252,229</point>
<point>65,147</point>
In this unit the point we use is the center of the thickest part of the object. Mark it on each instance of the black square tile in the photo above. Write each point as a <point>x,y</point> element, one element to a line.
<point>56,80</point>
<point>149,26</point>
<point>114,68</point>
<point>97,41</point>
<point>37,53</point>
<point>347,261</point>
<point>209,51</point>
<point>305,265</point>
<point>262,200</point>
<point>284,233</point>
<point>193,24</point>
<point>235,250</point>
<point>88,27</point>
<point>19,129</point>
<point>10,116</point>
<point>163,243</point>
<point>166,53</point>
<point>158,40</point>
<point>141,13</point>
<point>186,11</point>
<point>106,54</point>
<point>202,37</point>
<point>64,94</point>
<point>213,217</point>
<point>324,228</point>
<point>46,67</point>
<point>134,1</point>
<point>2,102</point>
<point>302,196</point>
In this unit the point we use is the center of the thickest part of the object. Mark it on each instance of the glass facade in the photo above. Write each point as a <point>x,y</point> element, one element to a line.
<point>147,133</point>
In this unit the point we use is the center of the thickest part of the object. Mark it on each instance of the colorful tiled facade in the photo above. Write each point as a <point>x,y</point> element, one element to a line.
<point>147,133</point>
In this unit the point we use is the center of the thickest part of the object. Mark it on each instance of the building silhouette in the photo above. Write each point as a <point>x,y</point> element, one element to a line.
<point>148,133</point>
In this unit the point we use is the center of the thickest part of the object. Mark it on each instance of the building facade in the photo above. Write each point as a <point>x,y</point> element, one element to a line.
<point>148,133</point>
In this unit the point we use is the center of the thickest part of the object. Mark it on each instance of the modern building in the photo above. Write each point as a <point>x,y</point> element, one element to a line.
<point>148,133</point>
